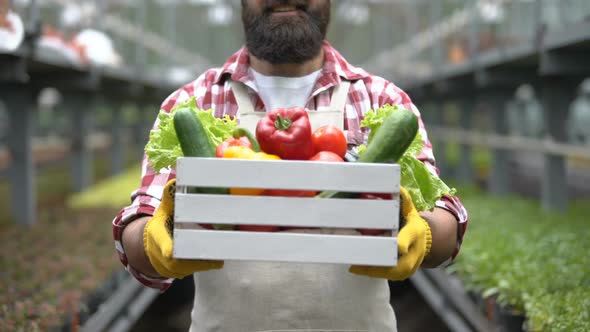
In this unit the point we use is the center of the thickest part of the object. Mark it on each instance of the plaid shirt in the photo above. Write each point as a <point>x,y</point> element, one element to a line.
<point>212,91</point>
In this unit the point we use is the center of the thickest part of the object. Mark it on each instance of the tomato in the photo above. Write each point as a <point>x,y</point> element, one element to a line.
<point>329,138</point>
<point>259,228</point>
<point>371,231</point>
<point>288,228</point>
<point>326,156</point>
<point>289,193</point>
<point>375,196</point>
<point>242,141</point>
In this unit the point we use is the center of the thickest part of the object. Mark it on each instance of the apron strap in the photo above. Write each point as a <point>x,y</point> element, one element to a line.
<point>339,96</point>
<point>242,97</point>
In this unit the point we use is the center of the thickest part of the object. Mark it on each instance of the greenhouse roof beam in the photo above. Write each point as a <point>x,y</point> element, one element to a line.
<point>427,38</point>
<point>148,39</point>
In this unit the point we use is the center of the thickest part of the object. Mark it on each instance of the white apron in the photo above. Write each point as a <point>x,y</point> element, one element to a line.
<point>334,115</point>
<point>273,296</point>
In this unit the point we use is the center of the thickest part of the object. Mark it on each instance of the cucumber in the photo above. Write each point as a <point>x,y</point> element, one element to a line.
<point>392,139</point>
<point>194,142</point>
<point>388,145</point>
<point>191,134</point>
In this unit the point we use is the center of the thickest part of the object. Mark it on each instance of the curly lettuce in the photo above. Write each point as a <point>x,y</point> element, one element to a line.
<point>163,148</point>
<point>424,186</point>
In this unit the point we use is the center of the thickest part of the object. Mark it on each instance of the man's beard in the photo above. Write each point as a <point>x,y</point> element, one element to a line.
<point>282,40</point>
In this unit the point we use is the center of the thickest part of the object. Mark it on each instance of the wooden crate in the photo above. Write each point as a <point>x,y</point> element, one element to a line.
<point>191,209</point>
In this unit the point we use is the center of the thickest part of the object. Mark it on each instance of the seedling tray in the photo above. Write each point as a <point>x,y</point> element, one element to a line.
<point>192,209</point>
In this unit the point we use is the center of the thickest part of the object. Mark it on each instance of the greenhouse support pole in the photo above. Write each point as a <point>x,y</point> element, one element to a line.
<point>465,171</point>
<point>81,157</point>
<point>19,100</point>
<point>117,146</point>
<point>436,13</point>
<point>33,22</point>
<point>554,183</point>
<point>171,30</point>
<point>140,54</point>
<point>438,110</point>
<point>499,181</point>
<point>473,34</point>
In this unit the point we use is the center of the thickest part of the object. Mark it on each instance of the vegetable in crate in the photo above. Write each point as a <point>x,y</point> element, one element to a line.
<point>423,185</point>
<point>329,138</point>
<point>242,141</point>
<point>194,141</point>
<point>326,156</point>
<point>320,156</point>
<point>388,143</point>
<point>242,152</point>
<point>191,134</point>
<point>163,147</point>
<point>394,138</point>
<point>286,132</point>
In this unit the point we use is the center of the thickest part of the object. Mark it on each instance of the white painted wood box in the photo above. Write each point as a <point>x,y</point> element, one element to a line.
<point>190,242</point>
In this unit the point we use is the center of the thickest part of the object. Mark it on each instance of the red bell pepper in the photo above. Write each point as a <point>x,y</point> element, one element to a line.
<point>286,132</point>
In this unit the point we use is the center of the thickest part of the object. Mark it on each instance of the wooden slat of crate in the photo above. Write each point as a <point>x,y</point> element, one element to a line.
<point>282,174</point>
<point>285,247</point>
<point>287,211</point>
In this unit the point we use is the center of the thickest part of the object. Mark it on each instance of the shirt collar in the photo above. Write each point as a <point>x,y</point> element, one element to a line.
<point>334,70</point>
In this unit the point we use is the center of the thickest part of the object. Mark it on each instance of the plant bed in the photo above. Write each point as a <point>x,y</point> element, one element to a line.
<point>528,260</point>
<point>508,319</point>
<point>112,193</point>
<point>53,186</point>
<point>50,269</point>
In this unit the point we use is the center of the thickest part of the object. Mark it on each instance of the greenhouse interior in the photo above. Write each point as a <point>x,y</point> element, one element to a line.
<point>479,191</point>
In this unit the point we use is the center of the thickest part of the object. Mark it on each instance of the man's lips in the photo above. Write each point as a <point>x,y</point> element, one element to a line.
<point>282,9</point>
<point>285,9</point>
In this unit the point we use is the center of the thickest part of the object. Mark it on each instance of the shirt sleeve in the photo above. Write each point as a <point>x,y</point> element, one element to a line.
<point>145,201</point>
<point>395,96</point>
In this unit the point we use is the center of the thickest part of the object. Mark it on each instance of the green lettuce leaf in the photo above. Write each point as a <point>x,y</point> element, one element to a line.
<point>163,148</point>
<point>424,186</point>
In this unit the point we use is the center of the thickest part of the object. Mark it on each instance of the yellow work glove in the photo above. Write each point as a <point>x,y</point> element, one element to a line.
<point>413,244</point>
<point>157,241</point>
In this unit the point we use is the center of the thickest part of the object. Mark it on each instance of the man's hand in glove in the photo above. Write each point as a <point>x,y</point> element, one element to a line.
<point>414,241</point>
<point>157,241</point>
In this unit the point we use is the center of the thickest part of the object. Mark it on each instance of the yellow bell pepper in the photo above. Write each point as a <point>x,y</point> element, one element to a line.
<point>243,152</point>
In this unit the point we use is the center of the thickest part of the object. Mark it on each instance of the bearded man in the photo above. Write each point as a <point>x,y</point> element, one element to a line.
<point>286,62</point>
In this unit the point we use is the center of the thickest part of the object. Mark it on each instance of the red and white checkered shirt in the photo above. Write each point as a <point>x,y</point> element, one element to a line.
<point>212,91</point>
